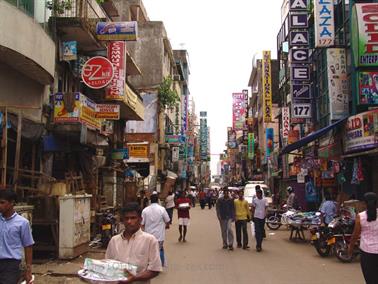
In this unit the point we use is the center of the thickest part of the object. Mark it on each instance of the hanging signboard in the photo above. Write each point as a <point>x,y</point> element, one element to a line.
<point>302,92</point>
<point>298,21</point>
<point>324,23</point>
<point>293,136</point>
<point>107,111</point>
<point>138,150</point>
<point>298,38</point>
<point>285,122</point>
<point>117,31</point>
<point>269,142</point>
<point>361,131</point>
<point>368,87</point>
<point>300,73</point>
<point>267,87</point>
<point>175,154</point>
<point>117,56</point>
<point>299,55</point>
<point>231,138</point>
<point>69,51</point>
<point>298,5</point>
<point>239,110</point>
<point>120,154</point>
<point>175,139</point>
<point>338,90</point>
<point>364,34</point>
<point>97,72</point>
<point>251,146</point>
<point>301,110</point>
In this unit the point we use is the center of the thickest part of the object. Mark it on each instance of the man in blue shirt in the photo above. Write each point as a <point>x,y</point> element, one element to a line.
<point>15,235</point>
<point>328,209</point>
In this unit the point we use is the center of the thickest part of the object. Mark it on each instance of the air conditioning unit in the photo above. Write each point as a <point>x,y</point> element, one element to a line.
<point>176,78</point>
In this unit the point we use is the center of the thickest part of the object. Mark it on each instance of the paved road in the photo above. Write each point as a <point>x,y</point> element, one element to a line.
<point>202,260</point>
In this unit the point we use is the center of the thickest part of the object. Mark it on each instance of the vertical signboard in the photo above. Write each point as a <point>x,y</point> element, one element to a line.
<point>285,122</point>
<point>239,109</point>
<point>368,87</point>
<point>337,83</point>
<point>324,23</point>
<point>267,87</point>
<point>364,34</point>
<point>203,136</point>
<point>269,142</point>
<point>251,146</point>
<point>117,56</point>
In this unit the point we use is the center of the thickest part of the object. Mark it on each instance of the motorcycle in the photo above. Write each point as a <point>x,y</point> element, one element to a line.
<point>320,236</point>
<point>108,227</point>
<point>273,219</point>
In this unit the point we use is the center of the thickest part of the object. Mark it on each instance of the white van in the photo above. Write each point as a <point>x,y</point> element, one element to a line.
<point>250,191</point>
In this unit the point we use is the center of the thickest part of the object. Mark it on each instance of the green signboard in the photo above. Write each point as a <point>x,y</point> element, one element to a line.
<point>251,146</point>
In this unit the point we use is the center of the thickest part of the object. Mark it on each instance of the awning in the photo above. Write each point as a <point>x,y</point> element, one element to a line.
<point>313,136</point>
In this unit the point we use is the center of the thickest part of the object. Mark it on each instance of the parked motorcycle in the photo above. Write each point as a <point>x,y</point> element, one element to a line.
<point>108,227</point>
<point>273,219</point>
<point>320,238</point>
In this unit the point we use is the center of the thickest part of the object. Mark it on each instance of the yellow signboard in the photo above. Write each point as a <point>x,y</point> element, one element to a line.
<point>138,150</point>
<point>267,87</point>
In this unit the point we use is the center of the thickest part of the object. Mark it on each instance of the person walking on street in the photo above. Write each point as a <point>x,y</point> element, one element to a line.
<point>15,236</point>
<point>136,247</point>
<point>155,220</point>
<point>242,216</point>
<point>226,215</point>
<point>259,206</point>
<point>142,199</point>
<point>192,196</point>
<point>366,228</point>
<point>183,207</point>
<point>202,198</point>
<point>170,205</point>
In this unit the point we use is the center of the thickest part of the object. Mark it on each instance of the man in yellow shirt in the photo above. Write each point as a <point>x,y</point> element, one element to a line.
<point>242,216</point>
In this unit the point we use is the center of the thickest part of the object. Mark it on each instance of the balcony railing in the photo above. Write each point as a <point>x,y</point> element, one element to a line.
<point>27,6</point>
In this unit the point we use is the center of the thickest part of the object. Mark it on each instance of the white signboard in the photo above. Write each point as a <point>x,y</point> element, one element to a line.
<point>337,83</point>
<point>301,110</point>
<point>285,122</point>
<point>324,23</point>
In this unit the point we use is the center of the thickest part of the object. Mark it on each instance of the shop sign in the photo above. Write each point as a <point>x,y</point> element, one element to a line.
<point>88,113</point>
<point>175,139</point>
<point>175,154</point>
<point>324,23</point>
<point>300,73</point>
<point>69,51</point>
<point>301,177</point>
<point>361,131</point>
<point>364,34</point>
<point>338,90</point>
<point>97,72</point>
<point>298,21</point>
<point>64,113</point>
<point>107,111</point>
<point>298,5</point>
<point>120,154</point>
<point>299,55</point>
<point>251,146</point>
<point>138,150</point>
<point>293,136</point>
<point>285,122</point>
<point>269,141</point>
<point>239,110</point>
<point>117,56</point>
<point>301,91</point>
<point>117,31</point>
<point>298,38</point>
<point>231,138</point>
<point>368,87</point>
<point>267,87</point>
<point>301,110</point>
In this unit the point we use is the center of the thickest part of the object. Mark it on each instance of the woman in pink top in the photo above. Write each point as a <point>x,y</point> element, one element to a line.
<point>366,227</point>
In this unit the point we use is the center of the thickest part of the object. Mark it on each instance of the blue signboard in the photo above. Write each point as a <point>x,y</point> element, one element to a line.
<point>120,154</point>
<point>117,31</point>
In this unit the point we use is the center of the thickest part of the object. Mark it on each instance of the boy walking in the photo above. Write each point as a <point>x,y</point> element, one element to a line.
<point>242,216</point>
<point>226,215</point>
<point>259,206</point>
<point>15,235</point>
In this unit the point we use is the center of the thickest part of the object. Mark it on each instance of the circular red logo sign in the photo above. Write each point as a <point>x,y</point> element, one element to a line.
<point>97,72</point>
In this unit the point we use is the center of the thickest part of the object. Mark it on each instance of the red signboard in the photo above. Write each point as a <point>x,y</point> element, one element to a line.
<point>117,56</point>
<point>97,72</point>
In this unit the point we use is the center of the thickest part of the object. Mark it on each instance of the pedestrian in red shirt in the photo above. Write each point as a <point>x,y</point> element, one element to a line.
<point>183,207</point>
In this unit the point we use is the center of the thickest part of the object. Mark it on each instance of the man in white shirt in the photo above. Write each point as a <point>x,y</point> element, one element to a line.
<point>259,205</point>
<point>155,220</point>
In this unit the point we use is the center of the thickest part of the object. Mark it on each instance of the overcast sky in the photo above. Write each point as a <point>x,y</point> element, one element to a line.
<point>221,38</point>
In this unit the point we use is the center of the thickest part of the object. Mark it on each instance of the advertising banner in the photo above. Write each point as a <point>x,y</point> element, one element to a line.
<point>267,87</point>
<point>231,138</point>
<point>117,31</point>
<point>269,142</point>
<point>361,131</point>
<point>239,110</point>
<point>120,154</point>
<point>368,87</point>
<point>338,89</point>
<point>175,139</point>
<point>364,34</point>
<point>285,122</point>
<point>185,105</point>
<point>107,111</point>
<point>293,136</point>
<point>97,72</point>
<point>69,51</point>
<point>203,139</point>
<point>251,146</point>
<point>88,113</point>
<point>324,23</point>
<point>117,56</point>
<point>138,150</point>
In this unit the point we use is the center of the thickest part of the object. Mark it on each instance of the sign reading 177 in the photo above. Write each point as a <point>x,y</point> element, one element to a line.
<point>302,110</point>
